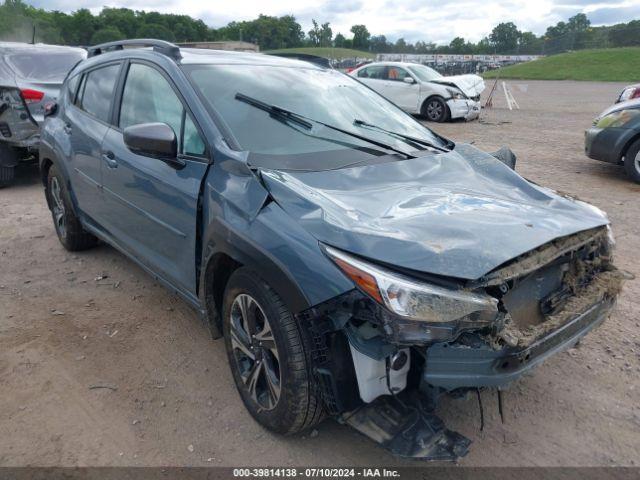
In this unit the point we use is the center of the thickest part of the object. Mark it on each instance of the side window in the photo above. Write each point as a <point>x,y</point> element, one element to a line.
<point>377,72</point>
<point>149,98</point>
<point>96,94</point>
<point>397,74</point>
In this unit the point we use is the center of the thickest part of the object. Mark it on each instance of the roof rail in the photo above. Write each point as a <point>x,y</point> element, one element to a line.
<point>160,46</point>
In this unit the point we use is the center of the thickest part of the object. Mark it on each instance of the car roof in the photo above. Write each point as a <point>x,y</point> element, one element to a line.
<point>200,56</point>
<point>7,47</point>
<point>390,64</point>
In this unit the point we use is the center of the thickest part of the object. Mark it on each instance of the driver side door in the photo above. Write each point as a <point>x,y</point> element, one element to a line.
<point>403,94</point>
<point>152,205</point>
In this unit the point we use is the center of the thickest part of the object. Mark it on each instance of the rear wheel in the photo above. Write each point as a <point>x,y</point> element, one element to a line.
<point>435,109</point>
<point>8,160</point>
<point>7,175</point>
<point>632,161</point>
<point>268,359</point>
<point>68,227</point>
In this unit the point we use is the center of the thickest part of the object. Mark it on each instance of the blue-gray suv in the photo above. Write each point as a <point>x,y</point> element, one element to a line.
<point>356,263</point>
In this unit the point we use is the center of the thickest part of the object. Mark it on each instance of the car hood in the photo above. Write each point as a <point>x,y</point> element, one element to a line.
<point>635,103</point>
<point>470,85</point>
<point>459,214</point>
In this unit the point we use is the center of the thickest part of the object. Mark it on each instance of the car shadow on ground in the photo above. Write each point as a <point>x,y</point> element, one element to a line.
<point>26,174</point>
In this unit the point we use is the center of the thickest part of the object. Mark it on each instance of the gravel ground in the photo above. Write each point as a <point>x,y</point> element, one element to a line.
<point>70,323</point>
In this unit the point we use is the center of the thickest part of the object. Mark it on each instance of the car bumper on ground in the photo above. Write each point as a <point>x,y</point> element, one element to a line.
<point>606,144</point>
<point>476,364</point>
<point>467,109</point>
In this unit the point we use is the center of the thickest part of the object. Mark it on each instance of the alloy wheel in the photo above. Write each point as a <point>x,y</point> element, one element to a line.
<point>434,110</point>
<point>636,163</point>
<point>58,207</point>
<point>255,351</point>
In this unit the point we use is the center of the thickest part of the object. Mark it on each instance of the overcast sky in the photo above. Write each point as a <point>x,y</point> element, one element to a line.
<point>429,20</point>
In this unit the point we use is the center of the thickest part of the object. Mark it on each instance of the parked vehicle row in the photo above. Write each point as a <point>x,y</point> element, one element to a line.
<point>349,256</point>
<point>30,77</point>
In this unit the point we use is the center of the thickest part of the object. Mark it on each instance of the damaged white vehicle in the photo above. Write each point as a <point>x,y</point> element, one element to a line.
<point>420,90</point>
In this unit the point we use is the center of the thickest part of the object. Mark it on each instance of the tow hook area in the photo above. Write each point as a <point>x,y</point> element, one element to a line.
<point>406,425</point>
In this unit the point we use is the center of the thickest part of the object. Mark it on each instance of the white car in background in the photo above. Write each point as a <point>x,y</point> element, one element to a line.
<point>421,90</point>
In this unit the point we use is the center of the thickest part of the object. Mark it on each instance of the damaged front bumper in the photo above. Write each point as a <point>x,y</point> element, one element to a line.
<point>471,362</point>
<point>464,108</point>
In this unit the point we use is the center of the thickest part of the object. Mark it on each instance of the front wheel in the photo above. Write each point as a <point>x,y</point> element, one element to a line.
<point>435,110</point>
<point>267,356</point>
<point>632,161</point>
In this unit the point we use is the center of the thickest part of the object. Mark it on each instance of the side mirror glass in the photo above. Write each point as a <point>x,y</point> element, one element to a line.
<point>409,80</point>
<point>152,140</point>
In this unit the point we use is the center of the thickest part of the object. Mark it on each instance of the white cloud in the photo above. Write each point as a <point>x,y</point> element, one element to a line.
<point>429,20</point>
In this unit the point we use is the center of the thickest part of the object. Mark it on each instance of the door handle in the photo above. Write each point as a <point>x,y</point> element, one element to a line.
<point>110,158</point>
<point>67,128</point>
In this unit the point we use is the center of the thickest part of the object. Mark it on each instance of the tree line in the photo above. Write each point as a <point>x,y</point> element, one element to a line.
<point>22,22</point>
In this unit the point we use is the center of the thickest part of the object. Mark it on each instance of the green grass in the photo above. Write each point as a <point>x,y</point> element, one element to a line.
<point>608,65</point>
<point>333,53</point>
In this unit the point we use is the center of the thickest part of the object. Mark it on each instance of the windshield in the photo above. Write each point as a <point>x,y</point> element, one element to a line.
<point>424,73</point>
<point>44,65</point>
<point>323,95</point>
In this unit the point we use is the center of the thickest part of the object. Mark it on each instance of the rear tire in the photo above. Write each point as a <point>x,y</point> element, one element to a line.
<point>632,161</point>
<point>267,356</point>
<point>70,232</point>
<point>435,109</point>
<point>7,175</point>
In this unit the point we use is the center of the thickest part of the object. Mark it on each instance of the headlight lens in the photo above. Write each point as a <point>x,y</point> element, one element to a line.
<point>412,299</point>
<point>456,94</point>
<point>617,119</point>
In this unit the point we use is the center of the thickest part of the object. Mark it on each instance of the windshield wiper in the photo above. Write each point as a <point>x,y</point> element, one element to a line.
<point>307,123</point>
<point>406,138</point>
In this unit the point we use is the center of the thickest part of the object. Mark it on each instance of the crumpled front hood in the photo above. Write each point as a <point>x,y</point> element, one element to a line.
<point>458,214</point>
<point>470,85</point>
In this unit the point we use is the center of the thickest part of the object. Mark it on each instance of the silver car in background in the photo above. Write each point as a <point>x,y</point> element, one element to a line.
<point>420,90</point>
<point>30,78</point>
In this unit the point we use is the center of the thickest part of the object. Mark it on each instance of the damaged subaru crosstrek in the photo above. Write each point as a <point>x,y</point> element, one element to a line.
<point>356,263</point>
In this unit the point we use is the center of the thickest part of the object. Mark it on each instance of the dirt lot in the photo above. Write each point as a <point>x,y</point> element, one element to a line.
<point>72,322</point>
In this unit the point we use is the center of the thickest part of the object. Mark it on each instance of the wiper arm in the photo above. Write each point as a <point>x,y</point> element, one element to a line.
<point>407,138</point>
<point>307,123</point>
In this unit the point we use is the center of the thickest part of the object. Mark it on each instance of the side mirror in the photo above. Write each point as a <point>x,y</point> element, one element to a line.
<point>152,140</point>
<point>409,80</point>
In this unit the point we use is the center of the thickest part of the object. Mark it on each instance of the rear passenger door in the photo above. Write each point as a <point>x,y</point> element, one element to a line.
<point>152,206</point>
<point>86,122</point>
<point>374,76</point>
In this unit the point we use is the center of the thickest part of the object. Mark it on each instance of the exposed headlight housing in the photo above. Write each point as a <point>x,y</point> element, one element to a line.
<point>456,94</point>
<point>617,119</point>
<point>415,301</point>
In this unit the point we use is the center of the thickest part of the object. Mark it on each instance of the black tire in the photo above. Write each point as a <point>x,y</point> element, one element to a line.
<point>435,109</point>
<point>283,397</point>
<point>7,174</point>
<point>68,228</point>
<point>632,161</point>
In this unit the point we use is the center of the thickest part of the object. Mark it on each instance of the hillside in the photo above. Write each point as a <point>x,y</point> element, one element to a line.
<point>332,53</point>
<point>608,65</point>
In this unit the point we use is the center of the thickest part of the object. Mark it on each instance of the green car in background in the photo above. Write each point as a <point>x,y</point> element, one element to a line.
<point>615,137</point>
